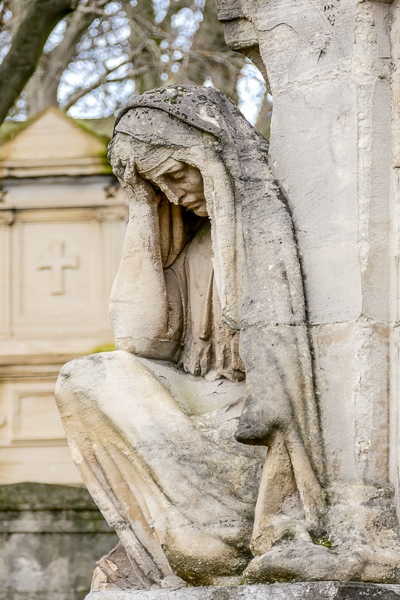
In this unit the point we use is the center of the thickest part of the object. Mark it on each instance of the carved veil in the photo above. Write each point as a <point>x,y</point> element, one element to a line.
<point>255,257</point>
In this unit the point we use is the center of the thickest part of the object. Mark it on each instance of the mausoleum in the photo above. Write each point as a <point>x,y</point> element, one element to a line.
<point>62,221</point>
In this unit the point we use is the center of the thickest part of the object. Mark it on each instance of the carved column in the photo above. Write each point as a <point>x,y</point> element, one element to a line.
<point>328,66</point>
<point>6,220</point>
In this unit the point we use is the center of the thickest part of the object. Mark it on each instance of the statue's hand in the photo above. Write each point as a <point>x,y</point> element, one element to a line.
<point>141,190</point>
<point>137,188</point>
<point>262,424</point>
<point>260,420</point>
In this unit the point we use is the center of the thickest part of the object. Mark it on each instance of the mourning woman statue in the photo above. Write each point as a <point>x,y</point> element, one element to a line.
<point>199,437</point>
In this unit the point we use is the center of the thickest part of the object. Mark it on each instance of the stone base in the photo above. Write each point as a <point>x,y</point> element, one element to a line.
<point>50,539</point>
<point>326,590</point>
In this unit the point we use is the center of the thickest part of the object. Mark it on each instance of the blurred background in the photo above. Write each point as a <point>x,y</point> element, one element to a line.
<point>103,52</point>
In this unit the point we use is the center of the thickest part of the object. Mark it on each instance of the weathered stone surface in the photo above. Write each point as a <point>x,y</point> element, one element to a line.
<point>333,74</point>
<point>159,428</point>
<point>280,591</point>
<point>152,427</point>
<point>50,538</point>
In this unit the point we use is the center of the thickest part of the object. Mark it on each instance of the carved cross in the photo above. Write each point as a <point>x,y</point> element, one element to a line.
<point>56,263</point>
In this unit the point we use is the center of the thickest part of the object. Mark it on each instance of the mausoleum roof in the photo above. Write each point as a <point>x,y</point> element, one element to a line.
<point>51,143</point>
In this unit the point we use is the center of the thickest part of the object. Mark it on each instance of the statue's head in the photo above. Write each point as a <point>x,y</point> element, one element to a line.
<point>197,148</point>
<point>151,144</point>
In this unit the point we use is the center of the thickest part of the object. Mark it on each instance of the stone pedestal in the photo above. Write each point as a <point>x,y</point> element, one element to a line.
<point>326,590</point>
<point>50,538</point>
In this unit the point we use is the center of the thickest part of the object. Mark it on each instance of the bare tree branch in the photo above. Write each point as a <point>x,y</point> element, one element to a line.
<point>263,122</point>
<point>79,22</point>
<point>73,98</point>
<point>38,20</point>
<point>3,9</point>
<point>154,50</point>
<point>43,86</point>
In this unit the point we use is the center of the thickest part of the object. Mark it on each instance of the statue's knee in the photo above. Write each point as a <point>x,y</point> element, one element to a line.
<point>83,375</point>
<point>78,367</point>
<point>89,372</point>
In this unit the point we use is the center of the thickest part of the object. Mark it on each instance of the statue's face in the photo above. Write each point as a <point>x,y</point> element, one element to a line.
<point>182,184</point>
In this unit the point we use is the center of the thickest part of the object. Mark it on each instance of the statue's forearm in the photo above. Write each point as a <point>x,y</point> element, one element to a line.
<point>139,302</point>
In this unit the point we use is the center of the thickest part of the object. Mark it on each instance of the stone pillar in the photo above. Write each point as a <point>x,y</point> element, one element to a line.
<point>328,66</point>
<point>6,220</point>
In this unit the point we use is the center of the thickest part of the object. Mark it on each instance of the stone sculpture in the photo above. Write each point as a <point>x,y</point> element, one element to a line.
<point>213,366</point>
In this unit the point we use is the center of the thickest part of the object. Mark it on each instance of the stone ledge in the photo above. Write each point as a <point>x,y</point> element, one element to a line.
<point>326,590</point>
<point>33,508</point>
<point>31,496</point>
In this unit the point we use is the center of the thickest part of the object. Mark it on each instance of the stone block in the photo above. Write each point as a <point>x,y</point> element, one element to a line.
<point>326,590</point>
<point>50,539</point>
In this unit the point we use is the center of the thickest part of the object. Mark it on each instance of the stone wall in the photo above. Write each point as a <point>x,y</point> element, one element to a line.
<point>50,539</point>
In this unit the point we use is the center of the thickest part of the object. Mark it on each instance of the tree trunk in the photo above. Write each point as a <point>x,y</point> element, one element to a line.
<point>42,88</point>
<point>38,20</point>
<point>263,122</point>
